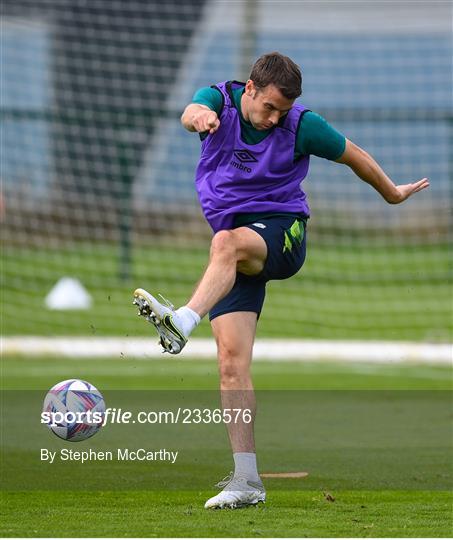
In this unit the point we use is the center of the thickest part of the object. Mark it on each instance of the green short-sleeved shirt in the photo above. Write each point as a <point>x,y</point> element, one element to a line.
<point>315,136</point>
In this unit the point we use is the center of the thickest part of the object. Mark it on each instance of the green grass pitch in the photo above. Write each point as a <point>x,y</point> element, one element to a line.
<point>355,511</point>
<point>342,292</point>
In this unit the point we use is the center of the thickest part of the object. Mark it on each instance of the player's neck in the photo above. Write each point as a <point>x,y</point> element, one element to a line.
<point>244,106</point>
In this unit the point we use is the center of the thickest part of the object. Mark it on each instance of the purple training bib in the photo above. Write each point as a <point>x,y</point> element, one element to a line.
<point>234,177</point>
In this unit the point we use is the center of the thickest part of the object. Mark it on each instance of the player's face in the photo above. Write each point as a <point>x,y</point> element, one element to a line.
<point>266,106</point>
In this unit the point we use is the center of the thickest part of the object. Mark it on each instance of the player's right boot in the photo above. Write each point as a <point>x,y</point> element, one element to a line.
<point>164,318</point>
<point>237,492</point>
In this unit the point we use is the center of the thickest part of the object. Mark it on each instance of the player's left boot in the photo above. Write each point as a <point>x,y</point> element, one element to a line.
<point>164,318</point>
<point>237,492</point>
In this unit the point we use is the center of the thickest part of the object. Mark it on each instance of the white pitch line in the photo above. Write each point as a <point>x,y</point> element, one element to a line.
<point>382,352</point>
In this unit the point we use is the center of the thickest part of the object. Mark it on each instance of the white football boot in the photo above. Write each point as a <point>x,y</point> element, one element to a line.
<point>237,492</point>
<point>164,318</point>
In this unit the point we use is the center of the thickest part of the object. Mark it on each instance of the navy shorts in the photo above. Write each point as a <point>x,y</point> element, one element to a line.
<point>285,237</point>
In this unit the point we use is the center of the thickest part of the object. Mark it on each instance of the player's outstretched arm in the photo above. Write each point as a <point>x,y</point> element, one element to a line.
<point>200,118</point>
<point>366,168</point>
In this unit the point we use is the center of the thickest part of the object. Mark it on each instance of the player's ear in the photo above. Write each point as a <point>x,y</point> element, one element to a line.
<point>250,89</point>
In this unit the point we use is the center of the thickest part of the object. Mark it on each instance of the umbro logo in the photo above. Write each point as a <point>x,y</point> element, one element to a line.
<point>244,156</point>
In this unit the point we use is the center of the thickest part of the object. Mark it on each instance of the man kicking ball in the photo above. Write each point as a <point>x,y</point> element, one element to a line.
<point>255,152</point>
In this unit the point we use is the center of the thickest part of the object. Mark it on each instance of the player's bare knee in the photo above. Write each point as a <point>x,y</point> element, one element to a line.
<point>233,369</point>
<point>223,245</point>
<point>233,377</point>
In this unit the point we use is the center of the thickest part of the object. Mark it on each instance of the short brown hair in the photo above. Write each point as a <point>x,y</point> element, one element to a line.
<point>279,70</point>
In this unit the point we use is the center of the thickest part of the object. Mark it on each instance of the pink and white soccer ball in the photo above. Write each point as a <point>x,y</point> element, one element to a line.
<point>74,398</point>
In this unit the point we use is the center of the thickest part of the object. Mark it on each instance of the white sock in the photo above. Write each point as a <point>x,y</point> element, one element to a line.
<point>245,465</point>
<point>189,319</point>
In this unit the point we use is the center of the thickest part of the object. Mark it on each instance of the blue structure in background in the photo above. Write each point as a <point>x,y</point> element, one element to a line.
<point>390,94</point>
<point>27,90</point>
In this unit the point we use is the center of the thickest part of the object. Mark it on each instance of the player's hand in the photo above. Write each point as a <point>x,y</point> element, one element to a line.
<point>205,120</point>
<point>406,190</point>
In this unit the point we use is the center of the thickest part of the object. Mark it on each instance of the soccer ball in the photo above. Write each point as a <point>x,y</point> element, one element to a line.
<point>73,410</point>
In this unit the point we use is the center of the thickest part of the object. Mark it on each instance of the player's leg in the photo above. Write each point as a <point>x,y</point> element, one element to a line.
<point>241,249</point>
<point>276,248</point>
<point>235,334</point>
